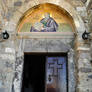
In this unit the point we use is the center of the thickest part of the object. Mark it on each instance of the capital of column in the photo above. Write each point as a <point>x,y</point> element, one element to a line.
<point>81,45</point>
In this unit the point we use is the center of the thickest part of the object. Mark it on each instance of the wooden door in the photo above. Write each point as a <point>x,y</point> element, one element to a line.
<point>56,74</point>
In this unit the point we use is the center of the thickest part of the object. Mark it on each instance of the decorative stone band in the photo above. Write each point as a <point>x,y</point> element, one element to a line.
<point>83,48</point>
<point>28,35</point>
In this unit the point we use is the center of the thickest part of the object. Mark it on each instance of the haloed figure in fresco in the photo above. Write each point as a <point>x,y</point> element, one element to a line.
<point>47,24</point>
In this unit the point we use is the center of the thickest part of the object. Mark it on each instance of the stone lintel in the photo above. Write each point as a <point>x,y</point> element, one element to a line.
<point>28,35</point>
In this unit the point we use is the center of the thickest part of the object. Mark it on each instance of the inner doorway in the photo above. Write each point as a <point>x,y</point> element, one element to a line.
<point>44,73</point>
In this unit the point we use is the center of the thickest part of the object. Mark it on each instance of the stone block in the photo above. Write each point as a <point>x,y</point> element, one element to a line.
<point>26,1</point>
<point>2,90</point>
<point>7,57</point>
<point>0,83</point>
<point>90,76</point>
<point>39,45</point>
<point>82,11</point>
<point>9,50</point>
<point>35,45</point>
<point>81,8</point>
<point>84,1</point>
<point>85,70</point>
<point>84,55</point>
<point>55,45</point>
<point>18,3</point>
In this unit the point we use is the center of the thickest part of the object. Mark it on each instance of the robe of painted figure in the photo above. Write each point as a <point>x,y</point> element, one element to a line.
<point>49,25</point>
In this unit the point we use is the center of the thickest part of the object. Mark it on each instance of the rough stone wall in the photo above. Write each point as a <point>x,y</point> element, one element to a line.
<point>84,72</point>
<point>7,65</point>
<point>8,49</point>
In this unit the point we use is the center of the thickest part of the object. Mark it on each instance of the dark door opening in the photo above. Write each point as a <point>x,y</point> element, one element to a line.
<point>34,73</point>
<point>45,73</point>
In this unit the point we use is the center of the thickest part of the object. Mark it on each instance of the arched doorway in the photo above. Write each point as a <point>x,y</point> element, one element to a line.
<point>36,14</point>
<point>45,72</point>
<point>60,41</point>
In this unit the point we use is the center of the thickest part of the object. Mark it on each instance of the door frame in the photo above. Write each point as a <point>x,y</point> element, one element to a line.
<point>17,81</point>
<point>50,55</point>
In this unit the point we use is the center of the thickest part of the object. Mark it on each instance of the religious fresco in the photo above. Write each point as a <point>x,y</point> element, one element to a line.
<point>47,24</point>
<point>46,18</point>
<point>62,27</point>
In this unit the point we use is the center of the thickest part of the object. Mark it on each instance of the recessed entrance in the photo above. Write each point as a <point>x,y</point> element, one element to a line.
<point>44,73</point>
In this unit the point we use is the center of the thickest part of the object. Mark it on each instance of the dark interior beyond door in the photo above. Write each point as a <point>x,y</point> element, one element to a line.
<point>34,73</point>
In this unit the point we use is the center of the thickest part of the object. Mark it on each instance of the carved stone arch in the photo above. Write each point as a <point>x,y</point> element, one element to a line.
<point>79,24</point>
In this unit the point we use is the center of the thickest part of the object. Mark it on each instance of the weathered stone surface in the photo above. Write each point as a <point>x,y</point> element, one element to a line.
<point>2,90</point>
<point>16,85</point>
<point>84,55</point>
<point>90,76</point>
<point>84,1</point>
<point>26,1</point>
<point>35,45</point>
<point>86,70</point>
<point>8,64</point>
<point>71,71</point>
<point>1,83</point>
<point>54,45</point>
<point>45,45</point>
<point>9,14</point>
<point>18,3</point>
<point>7,57</point>
<point>82,11</point>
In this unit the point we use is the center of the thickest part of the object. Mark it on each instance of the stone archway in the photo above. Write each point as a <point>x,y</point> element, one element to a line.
<point>19,58</point>
<point>79,24</point>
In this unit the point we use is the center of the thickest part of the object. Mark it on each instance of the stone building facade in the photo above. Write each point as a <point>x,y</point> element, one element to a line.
<point>12,13</point>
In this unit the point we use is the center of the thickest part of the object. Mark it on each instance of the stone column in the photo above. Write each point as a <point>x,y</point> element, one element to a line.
<point>84,67</point>
<point>71,71</point>
<point>17,79</point>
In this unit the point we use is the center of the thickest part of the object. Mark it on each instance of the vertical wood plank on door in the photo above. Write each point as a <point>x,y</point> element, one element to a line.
<point>56,74</point>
